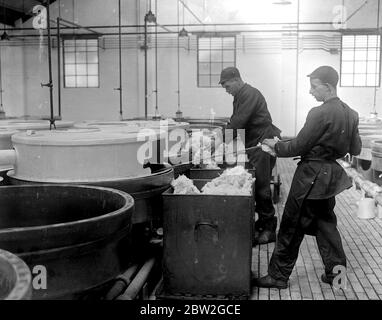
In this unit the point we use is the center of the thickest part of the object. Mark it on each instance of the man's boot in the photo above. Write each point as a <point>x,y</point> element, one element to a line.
<point>268,233</point>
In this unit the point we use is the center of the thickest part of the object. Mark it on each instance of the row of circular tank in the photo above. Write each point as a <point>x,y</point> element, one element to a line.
<point>85,224</point>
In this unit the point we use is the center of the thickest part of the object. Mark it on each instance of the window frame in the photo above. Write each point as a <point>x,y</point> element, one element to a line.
<point>222,49</point>
<point>366,60</point>
<point>75,38</point>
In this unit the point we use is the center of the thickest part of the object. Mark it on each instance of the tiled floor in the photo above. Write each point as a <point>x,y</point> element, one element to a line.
<point>362,241</point>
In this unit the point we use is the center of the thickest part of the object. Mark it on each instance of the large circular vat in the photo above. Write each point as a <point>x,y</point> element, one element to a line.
<point>76,236</point>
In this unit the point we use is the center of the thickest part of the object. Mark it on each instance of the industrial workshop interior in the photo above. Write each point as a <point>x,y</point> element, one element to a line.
<point>190,150</point>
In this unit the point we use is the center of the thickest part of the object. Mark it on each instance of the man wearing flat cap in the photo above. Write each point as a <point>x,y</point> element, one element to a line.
<point>329,133</point>
<point>250,112</point>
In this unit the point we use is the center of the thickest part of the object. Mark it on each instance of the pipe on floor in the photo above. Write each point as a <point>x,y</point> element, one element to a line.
<point>138,282</point>
<point>122,282</point>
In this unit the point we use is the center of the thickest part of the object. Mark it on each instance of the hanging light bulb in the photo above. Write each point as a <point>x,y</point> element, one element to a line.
<point>183,33</point>
<point>150,17</point>
<point>5,36</point>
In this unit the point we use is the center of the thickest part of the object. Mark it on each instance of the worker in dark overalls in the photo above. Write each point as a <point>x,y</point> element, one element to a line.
<point>250,112</point>
<point>329,133</point>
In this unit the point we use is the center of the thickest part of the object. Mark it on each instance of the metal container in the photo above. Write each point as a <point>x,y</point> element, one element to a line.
<point>6,143</point>
<point>125,127</point>
<point>23,125</point>
<point>79,234</point>
<point>207,247</point>
<point>77,155</point>
<point>170,131</point>
<point>145,190</point>
<point>15,278</point>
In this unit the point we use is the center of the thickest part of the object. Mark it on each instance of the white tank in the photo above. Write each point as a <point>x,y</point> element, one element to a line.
<point>73,155</point>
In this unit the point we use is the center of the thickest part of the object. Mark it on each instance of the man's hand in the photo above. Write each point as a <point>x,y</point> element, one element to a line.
<point>270,142</point>
<point>268,145</point>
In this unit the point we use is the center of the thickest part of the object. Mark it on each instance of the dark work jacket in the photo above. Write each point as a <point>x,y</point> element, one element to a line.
<point>329,133</point>
<point>250,112</point>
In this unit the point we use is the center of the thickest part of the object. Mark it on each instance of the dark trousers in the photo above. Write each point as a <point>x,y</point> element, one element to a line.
<point>263,163</point>
<point>317,218</point>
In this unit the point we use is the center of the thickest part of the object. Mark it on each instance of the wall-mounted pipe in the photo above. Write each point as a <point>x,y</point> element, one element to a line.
<point>58,68</point>
<point>50,83</point>
<point>138,282</point>
<point>186,25</point>
<point>120,60</point>
<point>145,53</point>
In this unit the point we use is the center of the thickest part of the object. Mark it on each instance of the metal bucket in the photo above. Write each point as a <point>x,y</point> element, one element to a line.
<point>79,235</point>
<point>15,278</point>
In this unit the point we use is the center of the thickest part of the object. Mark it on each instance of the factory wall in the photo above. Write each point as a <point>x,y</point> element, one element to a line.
<point>273,72</point>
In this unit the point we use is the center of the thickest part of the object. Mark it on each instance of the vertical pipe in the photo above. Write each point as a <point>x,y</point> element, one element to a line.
<point>375,85</point>
<point>145,48</point>
<point>297,69</point>
<point>120,60</point>
<point>50,67</point>
<point>156,61</point>
<point>178,56</point>
<point>58,67</point>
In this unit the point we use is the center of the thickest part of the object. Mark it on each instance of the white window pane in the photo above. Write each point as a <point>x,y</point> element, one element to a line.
<point>81,81</point>
<point>204,68</point>
<point>373,41</point>
<point>215,80</point>
<point>360,54</point>
<point>360,80</point>
<point>92,43</point>
<point>204,55</point>
<point>346,80</point>
<point>372,80</point>
<point>229,43</point>
<point>93,81</point>
<point>70,82</point>
<point>361,41</point>
<point>204,43</point>
<point>92,57</point>
<point>216,68</point>
<point>373,54</point>
<point>204,81</point>
<point>372,66</point>
<point>360,66</point>
<point>228,55</point>
<point>93,69</point>
<point>348,54</point>
<point>69,43</point>
<point>70,69</point>
<point>216,43</point>
<point>69,57</point>
<point>81,69</point>
<point>347,41</point>
<point>81,57</point>
<point>216,55</point>
<point>80,43</point>
<point>68,48</point>
<point>347,67</point>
